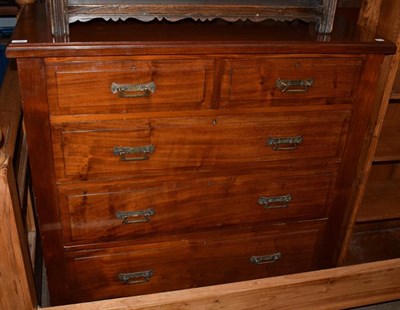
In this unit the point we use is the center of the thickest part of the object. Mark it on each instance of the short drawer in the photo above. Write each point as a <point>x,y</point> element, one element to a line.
<point>111,149</point>
<point>124,85</point>
<point>289,81</point>
<point>130,209</point>
<point>192,261</point>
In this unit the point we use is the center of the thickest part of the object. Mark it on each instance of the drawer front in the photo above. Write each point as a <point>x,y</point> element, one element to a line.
<point>111,149</point>
<point>289,81</point>
<point>128,209</point>
<point>119,86</point>
<point>200,261</point>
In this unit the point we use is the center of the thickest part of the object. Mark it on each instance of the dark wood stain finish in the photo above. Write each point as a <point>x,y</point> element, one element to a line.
<point>215,109</point>
<point>186,263</point>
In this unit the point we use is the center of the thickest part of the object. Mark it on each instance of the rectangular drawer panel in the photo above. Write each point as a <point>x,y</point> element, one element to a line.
<point>111,149</point>
<point>128,209</point>
<point>289,81</point>
<point>153,85</point>
<point>191,262</point>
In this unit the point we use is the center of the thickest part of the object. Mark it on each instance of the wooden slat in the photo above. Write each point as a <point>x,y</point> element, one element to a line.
<point>21,167</point>
<point>396,87</point>
<point>337,288</point>
<point>30,214</point>
<point>388,148</point>
<point>381,201</point>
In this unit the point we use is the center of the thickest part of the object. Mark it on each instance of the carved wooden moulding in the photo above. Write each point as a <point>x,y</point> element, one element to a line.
<point>63,12</point>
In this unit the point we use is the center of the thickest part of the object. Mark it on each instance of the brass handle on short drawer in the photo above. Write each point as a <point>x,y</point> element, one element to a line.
<point>122,151</point>
<point>294,86</point>
<point>135,277</point>
<point>290,142</point>
<point>270,202</point>
<point>265,259</point>
<point>131,90</point>
<point>145,214</point>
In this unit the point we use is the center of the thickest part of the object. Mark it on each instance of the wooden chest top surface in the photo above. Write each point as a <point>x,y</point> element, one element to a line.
<point>32,38</point>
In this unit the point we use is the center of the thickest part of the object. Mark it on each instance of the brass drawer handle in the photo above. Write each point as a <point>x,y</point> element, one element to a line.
<point>125,216</point>
<point>122,151</point>
<point>131,90</point>
<point>294,86</point>
<point>290,142</point>
<point>270,202</point>
<point>265,259</point>
<point>135,277</point>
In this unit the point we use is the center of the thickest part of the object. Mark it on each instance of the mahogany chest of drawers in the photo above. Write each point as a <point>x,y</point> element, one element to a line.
<point>168,156</point>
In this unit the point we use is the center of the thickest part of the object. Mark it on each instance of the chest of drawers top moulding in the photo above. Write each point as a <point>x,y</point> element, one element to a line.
<point>98,38</point>
<point>322,12</point>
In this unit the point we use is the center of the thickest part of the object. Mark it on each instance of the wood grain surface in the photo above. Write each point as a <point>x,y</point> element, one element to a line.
<point>337,288</point>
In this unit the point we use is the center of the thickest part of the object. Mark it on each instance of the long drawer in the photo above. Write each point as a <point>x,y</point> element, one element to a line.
<point>285,81</point>
<point>129,209</point>
<point>121,85</point>
<point>111,149</point>
<point>204,259</point>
